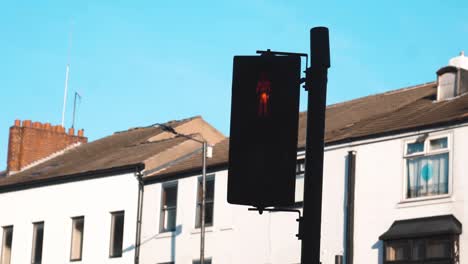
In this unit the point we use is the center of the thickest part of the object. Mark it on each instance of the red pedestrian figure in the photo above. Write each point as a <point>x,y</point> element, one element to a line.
<point>263,94</point>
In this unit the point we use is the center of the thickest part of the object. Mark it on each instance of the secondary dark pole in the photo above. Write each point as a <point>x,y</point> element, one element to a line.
<point>316,85</point>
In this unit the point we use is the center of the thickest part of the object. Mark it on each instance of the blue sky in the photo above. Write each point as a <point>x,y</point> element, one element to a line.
<point>141,62</point>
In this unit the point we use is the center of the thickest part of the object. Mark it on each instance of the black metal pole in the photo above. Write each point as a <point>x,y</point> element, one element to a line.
<point>316,85</point>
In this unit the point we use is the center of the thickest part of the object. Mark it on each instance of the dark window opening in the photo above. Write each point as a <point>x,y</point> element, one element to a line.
<point>209,201</point>
<point>117,232</point>
<point>38,238</point>
<point>7,244</point>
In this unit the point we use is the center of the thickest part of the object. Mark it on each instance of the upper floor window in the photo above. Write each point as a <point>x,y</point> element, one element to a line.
<point>427,166</point>
<point>209,201</point>
<point>6,244</point>
<point>38,238</point>
<point>77,238</point>
<point>168,207</point>
<point>117,233</point>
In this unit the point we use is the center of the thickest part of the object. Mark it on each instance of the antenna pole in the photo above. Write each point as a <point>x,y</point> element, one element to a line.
<point>67,75</point>
<point>65,95</point>
<point>74,109</point>
<point>77,95</point>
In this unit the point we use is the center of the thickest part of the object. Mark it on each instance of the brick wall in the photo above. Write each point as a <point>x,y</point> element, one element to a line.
<point>32,141</point>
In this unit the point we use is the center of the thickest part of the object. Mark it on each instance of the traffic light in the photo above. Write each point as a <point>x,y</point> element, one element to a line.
<point>263,134</point>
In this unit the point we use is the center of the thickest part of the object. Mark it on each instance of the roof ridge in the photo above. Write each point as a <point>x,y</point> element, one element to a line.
<point>155,142</point>
<point>404,89</point>
<point>155,125</point>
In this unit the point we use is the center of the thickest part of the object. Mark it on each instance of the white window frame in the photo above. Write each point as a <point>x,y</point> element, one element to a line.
<point>427,152</point>
<point>209,177</point>
<point>163,210</point>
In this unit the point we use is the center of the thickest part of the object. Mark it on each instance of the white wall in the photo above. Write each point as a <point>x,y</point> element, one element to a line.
<point>240,236</point>
<point>56,204</point>
<point>237,235</point>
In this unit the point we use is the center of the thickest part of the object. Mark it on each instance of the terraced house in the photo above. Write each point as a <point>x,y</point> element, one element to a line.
<point>394,189</point>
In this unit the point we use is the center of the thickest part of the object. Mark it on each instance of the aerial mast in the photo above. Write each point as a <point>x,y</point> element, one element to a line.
<point>67,74</point>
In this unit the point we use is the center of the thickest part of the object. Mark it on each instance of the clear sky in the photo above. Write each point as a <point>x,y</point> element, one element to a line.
<point>141,62</point>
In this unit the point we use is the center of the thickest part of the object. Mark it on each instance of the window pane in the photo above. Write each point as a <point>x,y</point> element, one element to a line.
<point>438,249</point>
<point>415,148</point>
<point>77,238</point>
<point>440,143</point>
<point>427,176</point>
<point>170,220</point>
<point>38,237</point>
<point>171,196</point>
<point>397,251</point>
<point>7,244</point>
<point>418,250</point>
<point>209,189</point>
<point>117,231</point>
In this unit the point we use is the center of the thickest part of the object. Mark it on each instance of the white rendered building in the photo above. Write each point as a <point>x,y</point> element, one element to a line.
<point>394,191</point>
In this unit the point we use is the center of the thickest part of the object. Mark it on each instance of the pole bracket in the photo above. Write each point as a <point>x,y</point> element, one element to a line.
<point>299,220</point>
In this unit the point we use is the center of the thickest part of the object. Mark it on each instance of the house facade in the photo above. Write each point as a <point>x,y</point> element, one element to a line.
<point>394,190</point>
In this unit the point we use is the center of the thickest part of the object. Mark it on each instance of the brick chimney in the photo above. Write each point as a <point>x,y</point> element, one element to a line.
<point>32,141</point>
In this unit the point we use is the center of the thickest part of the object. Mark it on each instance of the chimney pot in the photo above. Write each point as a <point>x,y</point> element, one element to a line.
<point>37,125</point>
<point>17,123</point>
<point>81,132</point>
<point>26,123</point>
<point>71,131</point>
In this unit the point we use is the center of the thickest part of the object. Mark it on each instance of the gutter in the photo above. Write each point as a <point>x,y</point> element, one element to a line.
<point>349,234</point>
<point>59,179</point>
<point>139,177</point>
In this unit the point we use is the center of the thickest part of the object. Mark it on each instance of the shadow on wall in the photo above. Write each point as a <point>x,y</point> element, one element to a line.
<point>379,246</point>
<point>175,233</point>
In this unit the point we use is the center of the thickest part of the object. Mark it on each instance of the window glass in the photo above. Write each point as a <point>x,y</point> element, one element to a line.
<point>415,148</point>
<point>418,250</point>
<point>168,208</point>
<point>440,143</point>
<point>438,249</point>
<point>397,251</point>
<point>209,201</point>
<point>38,237</point>
<point>7,244</point>
<point>427,175</point>
<point>432,250</point>
<point>77,238</point>
<point>117,232</point>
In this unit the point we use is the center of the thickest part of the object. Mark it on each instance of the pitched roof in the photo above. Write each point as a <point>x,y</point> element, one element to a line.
<point>122,149</point>
<point>193,163</point>
<point>371,116</point>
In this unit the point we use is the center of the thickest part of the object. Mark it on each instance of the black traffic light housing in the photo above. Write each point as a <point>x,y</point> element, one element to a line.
<point>263,133</point>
